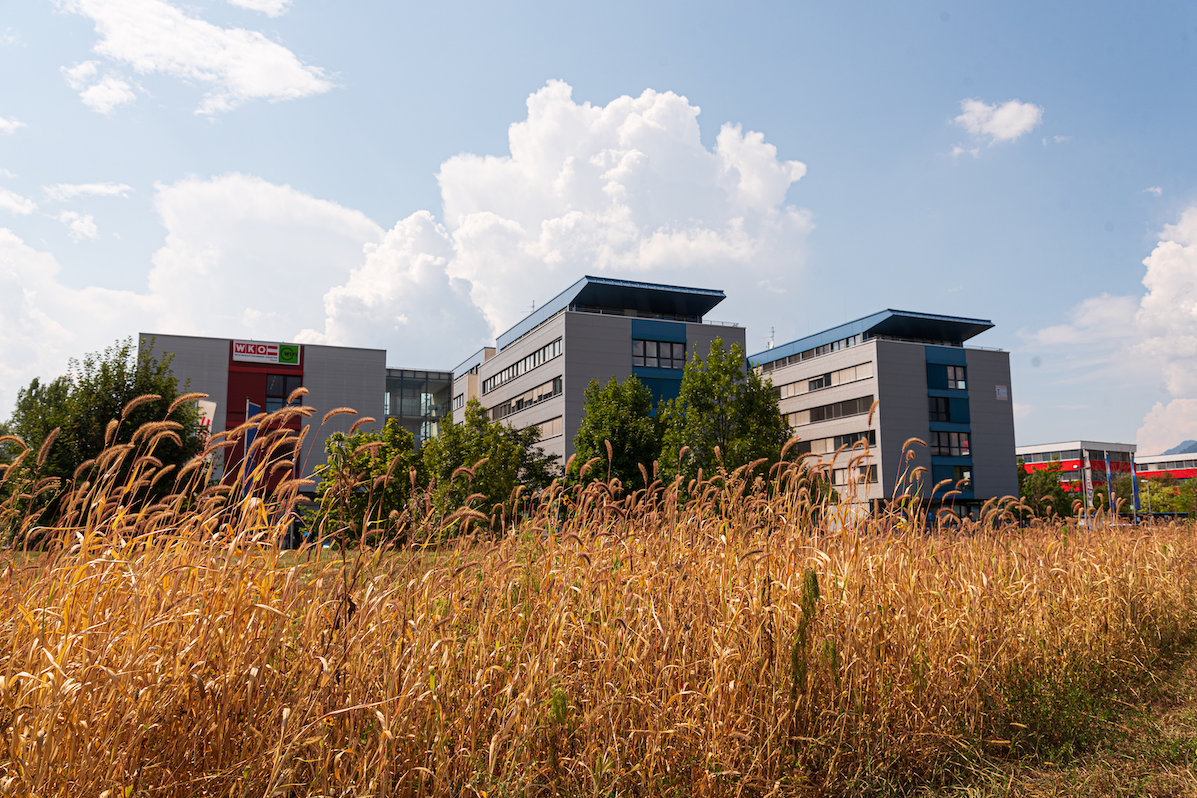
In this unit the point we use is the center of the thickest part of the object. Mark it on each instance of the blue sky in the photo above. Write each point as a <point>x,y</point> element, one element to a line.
<point>415,176</point>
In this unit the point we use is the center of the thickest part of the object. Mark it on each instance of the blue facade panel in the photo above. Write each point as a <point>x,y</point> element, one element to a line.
<point>946,355</point>
<point>653,330</point>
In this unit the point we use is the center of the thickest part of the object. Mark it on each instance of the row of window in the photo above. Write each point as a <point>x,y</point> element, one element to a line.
<point>1162,466</point>
<point>861,371</point>
<point>848,407</point>
<point>533,396</point>
<point>841,477</point>
<point>834,346</point>
<point>1095,455</point>
<point>658,354</point>
<point>949,444</point>
<point>836,442</point>
<point>953,410</point>
<point>940,375</point>
<point>459,401</point>
<point>542,355</point>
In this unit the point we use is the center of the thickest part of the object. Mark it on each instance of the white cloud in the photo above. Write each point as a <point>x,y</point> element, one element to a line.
<point>62,192</point>
<point>15,203</point>
<point>101,93</point>
<point>1154,334</point>
<point>1154,190</point>
<point>271,8</point>
<point>80,225</point>
<point>10,126</point>
<point>1167,425</point>
<point>401,295</point>
<point>237,65</point>
<point>242,254</point>
<point>1005,122</point>
<point>625,189</point>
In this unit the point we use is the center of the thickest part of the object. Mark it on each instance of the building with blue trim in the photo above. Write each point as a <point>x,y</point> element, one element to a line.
<point>598,328</point>
<point>860,394</point>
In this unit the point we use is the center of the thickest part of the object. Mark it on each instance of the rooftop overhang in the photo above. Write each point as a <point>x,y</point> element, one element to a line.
<point>605,293</point>
<point>890,323</point>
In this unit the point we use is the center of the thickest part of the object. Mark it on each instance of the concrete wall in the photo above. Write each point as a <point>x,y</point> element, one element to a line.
<point>199,364</point>
<point>995,469</point>
<point>903,413</point>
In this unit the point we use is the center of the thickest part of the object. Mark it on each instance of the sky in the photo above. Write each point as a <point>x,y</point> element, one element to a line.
<point>418,176</point>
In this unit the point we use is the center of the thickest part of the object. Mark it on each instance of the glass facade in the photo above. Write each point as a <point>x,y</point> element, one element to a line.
<point>419,400</point>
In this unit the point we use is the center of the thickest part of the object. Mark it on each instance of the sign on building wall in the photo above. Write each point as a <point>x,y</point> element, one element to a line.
<point>259,352</point>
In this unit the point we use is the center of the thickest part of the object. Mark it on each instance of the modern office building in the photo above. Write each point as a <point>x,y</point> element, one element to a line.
<point>243,375</point>
<point>598,328</point>
<point>926,385</point>
<point>1081,460</point>
<point>1177,466</point>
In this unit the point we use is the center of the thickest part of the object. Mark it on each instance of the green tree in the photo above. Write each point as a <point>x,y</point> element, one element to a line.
<point>620,413</point>
<point>95,391</point>
<point>511,457</point>
<point>721,405</point>
<point>1042,492</point>
<point>366,477</point>
<point>92,407</point>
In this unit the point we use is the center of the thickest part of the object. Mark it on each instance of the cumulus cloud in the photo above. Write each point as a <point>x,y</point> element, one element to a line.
<point>10,126</point>
<point>245,254</point>
<point>626,189</point>
<point>79,225</point>
<point>152,36</point>
<point>14,203</point>
<point>1155,333</point>
<point>271,8</point>
<point>63,192</point>
<point>1005,122</point>
<point>402,295</point>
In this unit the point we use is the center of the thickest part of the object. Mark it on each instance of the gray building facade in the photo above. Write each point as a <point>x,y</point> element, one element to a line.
<point>858,393</point>
<point>598,328</point>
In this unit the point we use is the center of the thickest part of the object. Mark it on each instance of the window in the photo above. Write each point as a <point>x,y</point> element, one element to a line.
<point>658,354</point>
<point>861,371</point>
<point>949,444</point>
<point>534,396</point>
<point>278,388</point>
<point>940,409</point>
<point>848,407</point>
<point>841,477</point>
<point>552,428</point>
<point>963,476</point>
<point>459,401</point>
<point>540,356</point>
<point>956,378</point>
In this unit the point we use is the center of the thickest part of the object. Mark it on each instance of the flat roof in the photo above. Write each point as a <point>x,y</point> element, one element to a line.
<point>1150,459</point>
<point>888,322</point>
<point>1061,446</point>
<point>143,335</point>
<point>613,294</point>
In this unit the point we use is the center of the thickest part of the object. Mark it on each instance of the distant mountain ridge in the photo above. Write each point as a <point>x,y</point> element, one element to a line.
<point>1188,447</point>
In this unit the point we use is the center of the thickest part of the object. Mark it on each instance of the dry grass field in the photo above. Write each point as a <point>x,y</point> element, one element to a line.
<point>735,640</point>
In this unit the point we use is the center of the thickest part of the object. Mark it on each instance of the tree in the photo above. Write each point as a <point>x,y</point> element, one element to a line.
<point>95,391</point>
<point>81,405</point>
<point>620,413</point>
<point>1042,492</point>
<point>511,457</point>
<point>366,477</point>
<point>721,405</point>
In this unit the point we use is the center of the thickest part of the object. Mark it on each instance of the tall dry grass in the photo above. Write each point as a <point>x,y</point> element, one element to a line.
<point>743,641</point>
